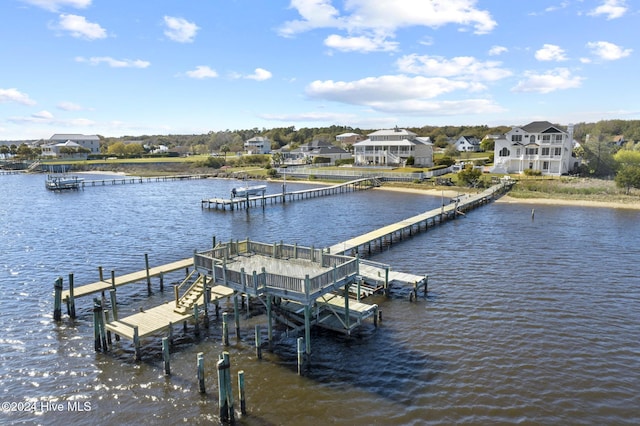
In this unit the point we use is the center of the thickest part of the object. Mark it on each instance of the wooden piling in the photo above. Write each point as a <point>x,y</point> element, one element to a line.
<point>200,364</point>
<point>165,356</point>
<point>236,315</point>
<point>161,281</point>
<point>71,302</point>
<point>57,299</point>
<point>225,329</point>
<point>114,305</point>
<point>196,319</point>
<point>146,263</point>
<point>136,344</point>
<point>300,348</point>
<point>258,343</point>
<point>96,325</point>
<point>222,388</point>
<point>241,395</point>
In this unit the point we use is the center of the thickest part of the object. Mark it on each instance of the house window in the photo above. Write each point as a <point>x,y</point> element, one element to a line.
<point>545,151</point>
<point>546,138</point>
<point>504,152</point>
<point>558,138</point>
<point>532,139</point>
<point>516,138</point>
<point>532,151</point>
<point>518,152</point>
<point>557,151</point>
<point>545,165</point>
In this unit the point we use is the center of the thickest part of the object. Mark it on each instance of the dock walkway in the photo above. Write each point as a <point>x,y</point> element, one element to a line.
<point>262,200</point>
<point>103,285</point>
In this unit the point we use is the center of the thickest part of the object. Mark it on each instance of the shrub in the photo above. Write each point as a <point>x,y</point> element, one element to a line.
<point>532,172</point>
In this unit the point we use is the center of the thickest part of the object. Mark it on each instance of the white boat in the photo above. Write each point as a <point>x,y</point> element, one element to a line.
<point>245,191</point>
<point>56,183</point>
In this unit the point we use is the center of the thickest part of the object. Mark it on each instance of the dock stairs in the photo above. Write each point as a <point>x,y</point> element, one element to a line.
<point>185,303</point>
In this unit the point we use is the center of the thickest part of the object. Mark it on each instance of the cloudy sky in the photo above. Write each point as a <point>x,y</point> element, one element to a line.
<point>132,67</point>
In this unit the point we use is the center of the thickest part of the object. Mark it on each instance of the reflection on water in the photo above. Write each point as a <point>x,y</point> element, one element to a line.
<point>527,321</point>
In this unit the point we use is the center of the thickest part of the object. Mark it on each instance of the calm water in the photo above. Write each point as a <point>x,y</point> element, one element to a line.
<point>527,322</point>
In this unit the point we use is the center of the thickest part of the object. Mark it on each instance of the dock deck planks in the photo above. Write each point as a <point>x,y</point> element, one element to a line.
<point>100,286</point>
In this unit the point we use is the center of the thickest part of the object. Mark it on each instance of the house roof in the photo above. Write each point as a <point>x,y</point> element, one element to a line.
<point>541,127</point>
<point>258,139</point>
<point>68,143</point>
<point>346,135</point>
<point>73,136</point>
<point>403,142</point>
<point>394,132</point>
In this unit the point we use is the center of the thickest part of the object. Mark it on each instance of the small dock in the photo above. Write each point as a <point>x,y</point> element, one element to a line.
<point>237,203</point>
<point>102,285</point>
<point>124,180</point>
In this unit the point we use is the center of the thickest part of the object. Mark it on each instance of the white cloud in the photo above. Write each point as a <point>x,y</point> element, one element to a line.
<point>387,88</point>
<point>202,72</point>
<point>69,106</point>
<point>311,116</point>
<point>556,79</point>
<point>497,50</point>
<point>611,8</point>
<point>466,67</point>
<point>259,74</point>
<point>315,14</point>
<point>179,29</point>
<point>359,44</point>
<point>608,51</point>
<point>42,115</point>
<point>79,27</point>
<point>55,5</point>
<point>114,63</point>
<point>550,52</point>
<point>14,95</point>
<point>459,107</point>
<point>369,23</point>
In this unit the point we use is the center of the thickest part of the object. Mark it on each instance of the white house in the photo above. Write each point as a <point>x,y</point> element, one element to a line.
<point>392,147</point>
<point>258,145</point>
<point>468,144</point>
<point>349,138</point>
<point>90,142</point>
<point>539,145</point>
<point>305,153</point>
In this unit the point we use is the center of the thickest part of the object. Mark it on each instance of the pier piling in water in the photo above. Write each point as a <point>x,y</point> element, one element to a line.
<point>200,365</point>
<point>166,356</point>
<point>57,299</point>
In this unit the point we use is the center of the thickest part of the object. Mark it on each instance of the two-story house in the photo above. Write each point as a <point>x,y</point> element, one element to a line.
<point>258,145</point>
<point>392,147</point>
<point>538,145</point>
<point>468,144</point>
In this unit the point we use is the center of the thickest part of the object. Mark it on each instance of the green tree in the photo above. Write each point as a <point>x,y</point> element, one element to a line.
<point>628,177</point>
<point>225,148</point>
<point>118,149</point>
<point>133,149</point>
<point>469,176</point>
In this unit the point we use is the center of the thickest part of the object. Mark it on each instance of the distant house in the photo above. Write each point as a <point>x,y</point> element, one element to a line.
<point>468,144</point>
<point>318,148</point>
<point>538,145</point>
<point>258,145</point>
<point>392,147</point>
<point>346,139</point>
<point>90,142</point>
<point>619,140</point>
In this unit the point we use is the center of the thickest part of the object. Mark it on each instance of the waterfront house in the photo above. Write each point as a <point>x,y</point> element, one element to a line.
<point>90,142</point>
<point>258,145</point>
<point>468,144</point>
<point>347,139</point>
<point>307,152</point>
<point>392,147</point>
<point>539,145</point>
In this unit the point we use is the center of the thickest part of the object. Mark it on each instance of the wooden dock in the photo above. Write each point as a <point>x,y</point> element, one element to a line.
<point>262,200</point>
<point>123,180</point>
<point>102,285</point>
<point>368,242</point>
<point>160,318</point>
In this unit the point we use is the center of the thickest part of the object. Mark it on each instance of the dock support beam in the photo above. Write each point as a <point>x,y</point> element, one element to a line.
<point>200,364</point>
<point>146,263</point>
<point>166,356</point>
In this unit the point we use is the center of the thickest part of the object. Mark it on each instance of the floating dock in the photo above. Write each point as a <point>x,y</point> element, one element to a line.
<point>236,203</point>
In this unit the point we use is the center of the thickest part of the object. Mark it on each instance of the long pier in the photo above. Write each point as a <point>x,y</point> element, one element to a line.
<point>262,200</point>
<point>409,226</point>
<point>123,180</point>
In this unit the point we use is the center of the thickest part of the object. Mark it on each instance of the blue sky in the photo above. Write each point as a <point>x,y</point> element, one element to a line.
<point>133,67</point>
